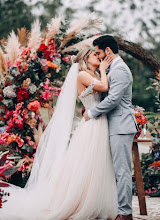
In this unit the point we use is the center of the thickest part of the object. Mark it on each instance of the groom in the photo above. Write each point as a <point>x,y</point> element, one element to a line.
<point>122,123</point>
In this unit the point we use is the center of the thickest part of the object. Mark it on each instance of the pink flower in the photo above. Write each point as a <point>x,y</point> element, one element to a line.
<point>20,142</point>
<point>19,122</point>
<point>55,89</point>
<point>4,138</point>
<point>33,106</point>
<point>25,113</point>
<point>8,63</point>
<point>32,144</point>
<point>44,65</point>
<point>28,138</point>
<point>15,115</point>
<point>19,105</point>
<point>55,94</point>
<point>46,95</point>
<point>26,51</point>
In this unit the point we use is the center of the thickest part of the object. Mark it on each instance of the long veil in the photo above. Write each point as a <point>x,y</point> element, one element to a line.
<point>55,138</point>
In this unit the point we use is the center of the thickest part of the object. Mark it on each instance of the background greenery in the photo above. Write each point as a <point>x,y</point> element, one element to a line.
<point>17,13</point>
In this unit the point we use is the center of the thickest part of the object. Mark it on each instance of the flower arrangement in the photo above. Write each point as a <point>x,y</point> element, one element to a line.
<point>7,169</point>
<point>31,78</point>
<point>141,119</point>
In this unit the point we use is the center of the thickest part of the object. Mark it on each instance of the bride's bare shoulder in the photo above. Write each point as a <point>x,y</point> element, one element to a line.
<point>83,75</point>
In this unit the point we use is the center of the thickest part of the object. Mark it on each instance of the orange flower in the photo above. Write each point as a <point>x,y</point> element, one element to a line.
<point>10,140</point>
<point>52,65</point>
<point>33,106</point>
<point>155,164</point>
<point>1,118</point>
<point>46,105</point>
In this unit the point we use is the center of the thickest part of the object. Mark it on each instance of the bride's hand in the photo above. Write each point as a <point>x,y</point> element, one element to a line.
<point>105,63</point>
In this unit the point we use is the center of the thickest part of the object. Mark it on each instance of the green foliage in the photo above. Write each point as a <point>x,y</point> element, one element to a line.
<point>14,14</point>
<point>141,81</point>
<point>49,8</point>
<point>151,173</point>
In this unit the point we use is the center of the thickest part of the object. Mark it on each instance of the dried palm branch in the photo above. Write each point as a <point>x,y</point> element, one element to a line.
<point>12,48</point>
<point>38,133</point>
<point>3,64</point>
<point>23,36</point>
<point>83,24</point>
<point>34,39</point>
<point>53,28</point>
<point>141,54</point>
<point>85,43</point>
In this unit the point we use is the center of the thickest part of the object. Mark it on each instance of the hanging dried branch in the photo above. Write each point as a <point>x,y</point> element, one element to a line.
<point>12,48</point>
<point>53,28</point>
<point>85,43</point>
<point>140,53</point>
<point>23,36</point>
<point>83,24</point>
<point>34,39</point>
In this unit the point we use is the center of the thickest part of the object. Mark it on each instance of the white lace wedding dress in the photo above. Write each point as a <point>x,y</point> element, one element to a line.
<point>84,187</point>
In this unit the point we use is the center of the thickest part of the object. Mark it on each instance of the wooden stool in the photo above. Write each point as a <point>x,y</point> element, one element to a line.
<point>138,174</point>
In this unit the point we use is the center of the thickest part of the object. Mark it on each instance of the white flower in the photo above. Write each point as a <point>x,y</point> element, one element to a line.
<point>32,115</point>
<point>7,102</point>
<point>9,92</point>
<point>32,88</point>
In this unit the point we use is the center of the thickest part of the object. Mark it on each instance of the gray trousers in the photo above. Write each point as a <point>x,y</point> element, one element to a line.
<point>121,148</point>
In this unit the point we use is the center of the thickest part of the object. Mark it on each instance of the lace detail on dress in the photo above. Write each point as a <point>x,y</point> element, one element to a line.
<point>89,89</point>
<point>88,97</point>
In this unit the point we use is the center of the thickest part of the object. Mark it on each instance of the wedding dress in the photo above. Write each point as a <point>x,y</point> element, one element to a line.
<point>83,186</point>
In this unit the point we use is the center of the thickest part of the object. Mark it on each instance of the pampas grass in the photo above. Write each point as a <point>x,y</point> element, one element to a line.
<point>12,48</point>
<point>38,133</point>
<point>83,44</point>
<point>23,36</point>
<point>84,24</point>
<point>53,28</point>
<point>34,39</point>
<point>3,65</point>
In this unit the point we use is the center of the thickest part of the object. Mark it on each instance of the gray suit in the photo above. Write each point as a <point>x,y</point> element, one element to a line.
<point>122,127</point>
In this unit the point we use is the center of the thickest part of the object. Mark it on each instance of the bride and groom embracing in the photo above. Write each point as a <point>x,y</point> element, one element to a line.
<point>86,176</point>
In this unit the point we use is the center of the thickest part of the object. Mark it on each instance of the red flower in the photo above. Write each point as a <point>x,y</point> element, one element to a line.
<point>43,47</point>
<point>66,59</point>
<point>1,96</point>
<point>0,203</point>
<point>48,51</point>
<point>22,94</point>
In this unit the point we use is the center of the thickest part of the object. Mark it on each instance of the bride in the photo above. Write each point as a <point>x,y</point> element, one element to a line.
<point>72,177</point>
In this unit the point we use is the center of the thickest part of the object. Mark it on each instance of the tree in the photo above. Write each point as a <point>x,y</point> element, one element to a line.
<point>14,14</point>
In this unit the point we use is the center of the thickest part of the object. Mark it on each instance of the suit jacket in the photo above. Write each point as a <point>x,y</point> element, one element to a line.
<point>117,102</point>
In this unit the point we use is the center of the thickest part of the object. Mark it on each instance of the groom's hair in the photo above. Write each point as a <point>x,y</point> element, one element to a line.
<point>106,41</point>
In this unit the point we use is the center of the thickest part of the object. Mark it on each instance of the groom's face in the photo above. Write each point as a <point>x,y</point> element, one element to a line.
<point>100,53</point>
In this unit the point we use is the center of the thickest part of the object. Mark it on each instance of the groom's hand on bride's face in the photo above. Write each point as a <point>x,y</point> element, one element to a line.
<point>86,115</point>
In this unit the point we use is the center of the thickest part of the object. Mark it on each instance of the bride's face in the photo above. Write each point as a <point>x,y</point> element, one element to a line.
<point>93,60</point>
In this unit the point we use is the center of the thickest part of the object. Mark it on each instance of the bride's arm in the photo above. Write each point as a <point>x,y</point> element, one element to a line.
<point>86,79</point>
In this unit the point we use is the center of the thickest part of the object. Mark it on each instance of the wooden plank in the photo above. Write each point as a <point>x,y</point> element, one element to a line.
<point>139,179</point>
<point>142,140</point>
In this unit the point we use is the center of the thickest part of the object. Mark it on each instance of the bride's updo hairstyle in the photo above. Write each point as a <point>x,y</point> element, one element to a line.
<point>81,59</point>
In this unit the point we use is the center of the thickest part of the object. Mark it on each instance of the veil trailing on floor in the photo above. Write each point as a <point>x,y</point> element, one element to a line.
<point>54,140</point>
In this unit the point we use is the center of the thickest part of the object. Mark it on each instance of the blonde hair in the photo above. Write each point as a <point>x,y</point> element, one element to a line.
<point>81,59</point>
